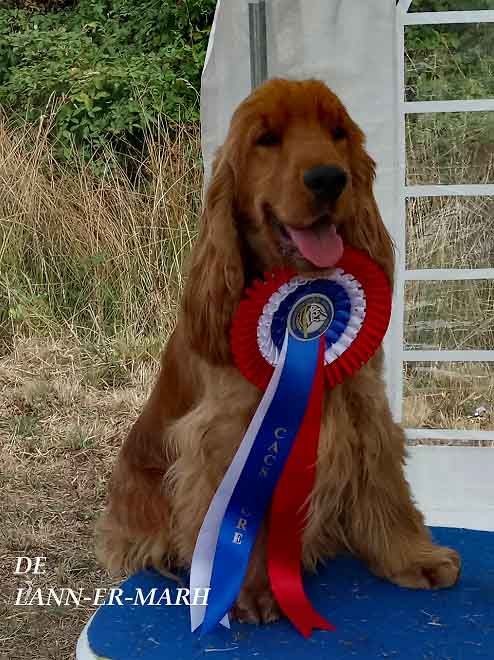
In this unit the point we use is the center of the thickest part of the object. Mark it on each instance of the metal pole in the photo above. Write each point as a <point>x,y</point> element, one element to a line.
<point>258,42</point>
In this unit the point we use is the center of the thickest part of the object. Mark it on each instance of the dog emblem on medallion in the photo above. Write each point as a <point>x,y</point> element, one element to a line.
<point>310,317</point>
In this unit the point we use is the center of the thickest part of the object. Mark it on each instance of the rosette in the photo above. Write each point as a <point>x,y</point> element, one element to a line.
<point>349,305</point>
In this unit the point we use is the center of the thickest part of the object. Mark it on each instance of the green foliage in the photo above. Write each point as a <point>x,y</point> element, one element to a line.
<point>450,62</point>
<point>110,68</point>
<point>447,62</point>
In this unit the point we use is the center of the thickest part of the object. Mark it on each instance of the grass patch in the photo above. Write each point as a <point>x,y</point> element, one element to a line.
<point>94,257</point>
<point>53,477</point>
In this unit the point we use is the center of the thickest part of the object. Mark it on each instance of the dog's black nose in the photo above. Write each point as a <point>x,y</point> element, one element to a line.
<point>326,181</point>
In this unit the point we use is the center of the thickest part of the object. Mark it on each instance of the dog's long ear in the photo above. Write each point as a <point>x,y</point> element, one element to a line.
<point>216,275</point>
<point>366,230</point>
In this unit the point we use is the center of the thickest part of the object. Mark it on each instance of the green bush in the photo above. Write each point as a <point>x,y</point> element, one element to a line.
<point>109,68</point>
<point>448,62</point>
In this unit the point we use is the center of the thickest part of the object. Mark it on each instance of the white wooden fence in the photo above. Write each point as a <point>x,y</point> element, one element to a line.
<point>479,190</point>
<point>454,485</point>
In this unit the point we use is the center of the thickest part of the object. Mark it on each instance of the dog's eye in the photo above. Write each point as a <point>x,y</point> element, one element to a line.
<point>338,133</point>
<point>268,139</point>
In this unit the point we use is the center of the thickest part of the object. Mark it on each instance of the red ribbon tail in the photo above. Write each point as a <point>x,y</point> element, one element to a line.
<point>288,515</point>
<point>286,582</point>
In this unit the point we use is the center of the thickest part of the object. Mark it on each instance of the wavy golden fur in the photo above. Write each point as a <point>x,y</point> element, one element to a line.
<point>179,448</point>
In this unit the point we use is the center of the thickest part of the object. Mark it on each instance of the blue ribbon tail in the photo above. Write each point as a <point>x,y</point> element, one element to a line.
<point>254,489</point>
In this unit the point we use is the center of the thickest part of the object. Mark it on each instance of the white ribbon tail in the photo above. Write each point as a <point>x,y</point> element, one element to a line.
<point>204,551</point>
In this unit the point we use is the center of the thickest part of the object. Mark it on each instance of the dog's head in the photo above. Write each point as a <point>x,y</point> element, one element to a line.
<point>290,184</point>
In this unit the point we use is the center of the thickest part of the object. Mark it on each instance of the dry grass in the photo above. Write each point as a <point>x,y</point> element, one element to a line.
<point>449,395</point>
<point>93,254</point>
<point>452,232</point>
<point>60,427</point>
<point>91,268</point>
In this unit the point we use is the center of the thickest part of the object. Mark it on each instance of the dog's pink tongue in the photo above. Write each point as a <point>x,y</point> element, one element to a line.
<point>321,246</point>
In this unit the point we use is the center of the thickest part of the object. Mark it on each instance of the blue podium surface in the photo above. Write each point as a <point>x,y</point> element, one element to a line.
<point>374,619</point>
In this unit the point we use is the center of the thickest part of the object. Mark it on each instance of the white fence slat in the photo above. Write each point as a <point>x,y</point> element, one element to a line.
<point>451,190</point>
<point>465,435</point>
<point>448,274</point>
<point>448,356</point>
<point>394,363</point>
<point>467,105</point>
<point>449,17</point>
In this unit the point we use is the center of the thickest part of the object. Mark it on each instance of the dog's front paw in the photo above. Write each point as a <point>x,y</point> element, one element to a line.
<point>256,607</point>
<point>437,568</point>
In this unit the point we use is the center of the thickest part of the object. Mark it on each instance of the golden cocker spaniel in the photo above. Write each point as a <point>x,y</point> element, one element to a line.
<point>291,182</point>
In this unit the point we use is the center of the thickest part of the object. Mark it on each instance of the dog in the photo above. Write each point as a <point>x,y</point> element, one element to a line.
<point>289,186</point>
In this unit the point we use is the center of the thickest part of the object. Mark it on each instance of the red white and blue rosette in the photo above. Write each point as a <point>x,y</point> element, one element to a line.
<point>356,320</point>
<point>291,335</point>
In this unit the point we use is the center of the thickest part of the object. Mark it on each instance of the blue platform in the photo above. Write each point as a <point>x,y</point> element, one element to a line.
<point>374,619</point>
